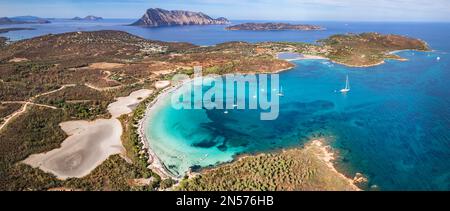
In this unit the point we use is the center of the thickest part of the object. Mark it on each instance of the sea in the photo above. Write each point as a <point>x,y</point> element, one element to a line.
<point>393,126</point>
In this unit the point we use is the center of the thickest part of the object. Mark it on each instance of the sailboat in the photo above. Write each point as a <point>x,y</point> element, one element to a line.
<point>347,86</point>
<point>281,94</point>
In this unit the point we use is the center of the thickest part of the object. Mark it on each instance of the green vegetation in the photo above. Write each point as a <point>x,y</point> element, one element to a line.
<point>40,132</point>
<point>37,132</point>
<point>115,174</point>
<point>80,102</point>
<point>132,143</point>
<point>167,183</point>
<point>296,169</point>
<point>21,177</point>
<point>8,109</point>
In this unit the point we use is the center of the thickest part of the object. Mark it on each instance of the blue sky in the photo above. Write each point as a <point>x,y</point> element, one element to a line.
<point>338,10</point>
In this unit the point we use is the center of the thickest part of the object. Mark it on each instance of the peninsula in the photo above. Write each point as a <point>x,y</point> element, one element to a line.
<point>6,30</point>
<point>23,20</point>
<point>160,17</point>
<point>274,27</point>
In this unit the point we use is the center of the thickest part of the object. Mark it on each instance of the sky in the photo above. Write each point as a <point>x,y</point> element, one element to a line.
<point>294,10</point>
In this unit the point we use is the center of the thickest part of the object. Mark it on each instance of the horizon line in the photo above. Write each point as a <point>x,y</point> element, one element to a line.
<point>259,20</point>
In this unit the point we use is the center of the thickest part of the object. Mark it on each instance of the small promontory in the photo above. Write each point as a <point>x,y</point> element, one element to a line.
<point>160,17</point>
<point>23,20</point>
<point>274,27</point>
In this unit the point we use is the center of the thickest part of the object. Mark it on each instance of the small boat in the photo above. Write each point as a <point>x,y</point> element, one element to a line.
<point>438,58</point>
<point>225,112</point>
<point>281,94</point>
<point>347,86</point>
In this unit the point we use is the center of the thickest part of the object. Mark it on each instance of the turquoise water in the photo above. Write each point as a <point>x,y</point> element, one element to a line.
<point>393,126</point>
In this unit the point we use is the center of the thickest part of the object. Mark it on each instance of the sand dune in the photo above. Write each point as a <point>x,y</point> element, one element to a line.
<point>125,105</point>
<point>89,143</point>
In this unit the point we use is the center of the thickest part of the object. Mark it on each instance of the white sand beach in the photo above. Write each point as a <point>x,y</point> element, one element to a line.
<point>89,143</point>
<point>155,164</point>
<point>290,56</point>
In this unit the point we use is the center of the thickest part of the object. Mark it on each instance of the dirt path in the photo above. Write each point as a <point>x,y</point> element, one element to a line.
<point>13,115</point>
<point>89,143</point>
<point>25,105</point>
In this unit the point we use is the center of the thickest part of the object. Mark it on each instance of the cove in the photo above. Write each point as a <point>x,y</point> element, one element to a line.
<point>393,126</point>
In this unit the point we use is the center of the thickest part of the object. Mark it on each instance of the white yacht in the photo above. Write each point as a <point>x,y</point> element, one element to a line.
<point>347,86</point>
<point>281,94</point>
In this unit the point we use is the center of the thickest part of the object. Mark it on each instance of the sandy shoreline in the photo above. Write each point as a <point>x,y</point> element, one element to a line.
<point>88,143</point>
<point>158,166</point>
<point>327,156</point>
<point>155,163</point>
<point>319,147</point>
<point>312,57</point>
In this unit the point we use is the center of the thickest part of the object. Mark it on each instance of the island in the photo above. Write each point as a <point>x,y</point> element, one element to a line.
<point>88,18</point>
<point>156,17</point>
<point>6,30</point>
<point>54,85</point>
<point>23,20</point>
<point>273,27</point>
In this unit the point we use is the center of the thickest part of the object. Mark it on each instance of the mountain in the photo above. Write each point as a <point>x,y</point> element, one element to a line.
<point>160,17</point>
<point>23,20</point>
<point>88,18</point>
<point>273,27</point>
<point>5,20</point>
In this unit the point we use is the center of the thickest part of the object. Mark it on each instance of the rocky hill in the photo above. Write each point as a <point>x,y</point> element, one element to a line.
<point>88,18</point>
<point>160,17</point>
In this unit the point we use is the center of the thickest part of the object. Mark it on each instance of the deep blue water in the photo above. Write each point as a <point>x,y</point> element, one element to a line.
<point>393,126</point>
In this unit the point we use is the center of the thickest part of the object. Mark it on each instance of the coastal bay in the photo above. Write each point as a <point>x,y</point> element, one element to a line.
<point>311,105</point>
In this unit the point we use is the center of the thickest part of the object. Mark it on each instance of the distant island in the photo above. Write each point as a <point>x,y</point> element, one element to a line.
<point>156,17</point>
<point>274,27</point>
<point>23,20</point>
<point>88,18</point>
<point>6,30</point>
